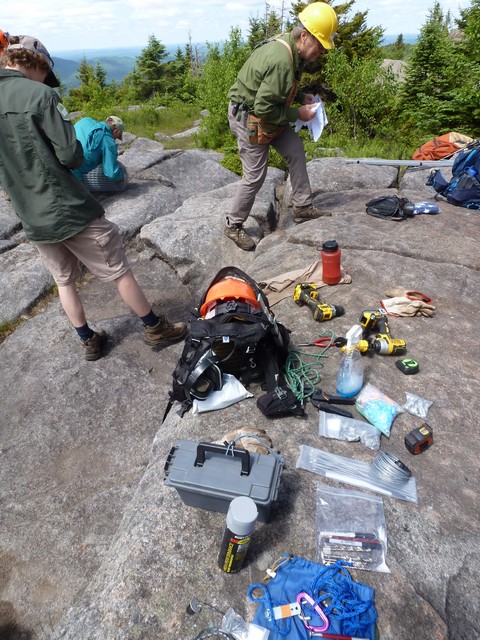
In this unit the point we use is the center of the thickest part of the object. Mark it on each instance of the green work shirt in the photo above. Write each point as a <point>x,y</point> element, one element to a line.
<point>265,80</point>
<point>38,148</point>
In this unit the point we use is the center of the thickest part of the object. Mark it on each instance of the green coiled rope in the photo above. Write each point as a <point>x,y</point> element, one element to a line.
<point>302,368</point>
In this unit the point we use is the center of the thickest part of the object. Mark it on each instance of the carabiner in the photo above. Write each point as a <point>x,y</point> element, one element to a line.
<point>304,597</point>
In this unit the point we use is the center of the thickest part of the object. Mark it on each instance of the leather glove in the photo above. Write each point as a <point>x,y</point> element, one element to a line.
<point>403,302</point>
<point>252,444</point>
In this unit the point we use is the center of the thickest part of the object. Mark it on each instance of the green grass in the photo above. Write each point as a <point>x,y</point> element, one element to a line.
<point>335,145</point>
<point>151,118</point>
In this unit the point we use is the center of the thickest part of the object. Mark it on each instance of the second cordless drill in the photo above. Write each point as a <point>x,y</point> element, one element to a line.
<point>381,342</point>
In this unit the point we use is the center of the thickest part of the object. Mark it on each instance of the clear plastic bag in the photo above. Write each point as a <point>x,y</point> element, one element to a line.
<point>351,527</point>
<point>417,406</point>
<point>355,472</point>
<point>235,625</point>
<point>343,428</point>
<point>377,408</point>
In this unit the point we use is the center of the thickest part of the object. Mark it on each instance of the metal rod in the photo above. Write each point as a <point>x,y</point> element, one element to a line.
<point>401,163</point>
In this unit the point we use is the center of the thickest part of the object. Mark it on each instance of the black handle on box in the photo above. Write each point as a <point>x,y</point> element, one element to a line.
<point>169,459</point>
<point>243,454</point>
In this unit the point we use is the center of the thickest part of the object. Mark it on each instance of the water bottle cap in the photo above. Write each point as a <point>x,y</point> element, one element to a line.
<point>330,245</point>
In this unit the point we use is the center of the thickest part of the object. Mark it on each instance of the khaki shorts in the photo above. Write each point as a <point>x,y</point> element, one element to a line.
<point>99,247</point>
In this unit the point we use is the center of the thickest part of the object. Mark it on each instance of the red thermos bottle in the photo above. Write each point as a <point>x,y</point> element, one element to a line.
<point>331,262</point>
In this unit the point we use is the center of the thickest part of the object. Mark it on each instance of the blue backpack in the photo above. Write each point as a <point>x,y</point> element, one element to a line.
<point>463,189</point>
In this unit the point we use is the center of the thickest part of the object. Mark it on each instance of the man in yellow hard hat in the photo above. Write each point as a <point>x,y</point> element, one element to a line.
<point>261,111</point>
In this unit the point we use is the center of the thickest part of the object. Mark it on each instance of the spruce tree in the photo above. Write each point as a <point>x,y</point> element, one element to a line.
<point>466,99</point>
<point>430,79</point>
<point>148,75</point>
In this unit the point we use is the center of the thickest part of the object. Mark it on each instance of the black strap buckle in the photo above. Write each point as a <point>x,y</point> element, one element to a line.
<point>280,393</point>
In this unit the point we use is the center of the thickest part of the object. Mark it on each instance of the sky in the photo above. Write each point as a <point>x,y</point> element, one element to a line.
<point>107,24</point>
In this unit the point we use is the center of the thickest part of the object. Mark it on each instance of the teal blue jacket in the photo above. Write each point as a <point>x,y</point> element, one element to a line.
<point>38,149</point>
<point>98,148</point>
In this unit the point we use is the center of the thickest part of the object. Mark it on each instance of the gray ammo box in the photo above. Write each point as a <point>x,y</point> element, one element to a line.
<point>210,476</point>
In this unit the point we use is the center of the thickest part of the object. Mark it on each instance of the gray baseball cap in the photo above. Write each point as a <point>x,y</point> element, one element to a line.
<point>117,123</point>
<point>33,44</point>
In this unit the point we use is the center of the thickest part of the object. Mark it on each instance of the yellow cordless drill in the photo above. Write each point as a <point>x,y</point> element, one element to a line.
<point>381,342</point>
<point>306,293</point>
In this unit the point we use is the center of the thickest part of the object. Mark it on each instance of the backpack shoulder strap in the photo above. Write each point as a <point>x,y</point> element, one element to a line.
<point>286,44</point>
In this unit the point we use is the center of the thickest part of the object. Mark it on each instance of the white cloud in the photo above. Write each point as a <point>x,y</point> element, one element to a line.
<point>88,24</point>
<point>404,16</point>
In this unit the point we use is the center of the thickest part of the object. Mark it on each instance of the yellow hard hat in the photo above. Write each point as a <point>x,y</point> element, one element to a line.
<point>321,21</point>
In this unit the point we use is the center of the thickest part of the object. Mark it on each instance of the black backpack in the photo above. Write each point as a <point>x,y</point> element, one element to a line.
<point>390,208</point>
<point>463,190</point>
<point>239,336</point>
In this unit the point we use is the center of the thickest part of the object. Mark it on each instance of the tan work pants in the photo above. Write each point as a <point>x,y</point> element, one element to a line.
<point>254,159</point>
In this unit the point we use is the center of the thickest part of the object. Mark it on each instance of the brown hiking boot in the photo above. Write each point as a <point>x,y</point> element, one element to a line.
<point>94,345</point>
<point>164,331</point>
<point>309,213</point>
<point>237,233</point>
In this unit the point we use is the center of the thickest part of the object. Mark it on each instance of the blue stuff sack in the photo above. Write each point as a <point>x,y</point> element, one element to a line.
<point>348,605</point>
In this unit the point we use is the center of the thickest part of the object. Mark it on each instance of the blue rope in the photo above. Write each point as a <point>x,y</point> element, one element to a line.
<point>344,603</point>
<point>255,437</point>
<point>333,590</point>
<point>269,606</point>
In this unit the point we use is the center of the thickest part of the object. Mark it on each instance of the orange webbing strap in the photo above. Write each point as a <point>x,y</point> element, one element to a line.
<point>293,90</point>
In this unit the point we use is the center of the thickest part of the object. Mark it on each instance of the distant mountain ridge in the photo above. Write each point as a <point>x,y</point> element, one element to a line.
<point>119,62</point>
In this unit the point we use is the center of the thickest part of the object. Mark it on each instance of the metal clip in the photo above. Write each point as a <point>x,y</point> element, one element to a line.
<point>280,393</point>
<point>302,598</point>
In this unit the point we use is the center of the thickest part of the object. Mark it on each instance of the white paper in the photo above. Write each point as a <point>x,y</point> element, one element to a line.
<point>316,124</point>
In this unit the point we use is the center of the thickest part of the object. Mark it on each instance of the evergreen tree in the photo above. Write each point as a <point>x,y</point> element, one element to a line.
<point>430,78</point>
<point>399,48</point>
<point>100,75</point>
<point>93,89</point>
<point>265,27</point>
<point>466,99</point>
<point>148,76</point>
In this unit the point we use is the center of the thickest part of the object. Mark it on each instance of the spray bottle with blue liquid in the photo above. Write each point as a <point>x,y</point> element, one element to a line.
<point>350,372</point>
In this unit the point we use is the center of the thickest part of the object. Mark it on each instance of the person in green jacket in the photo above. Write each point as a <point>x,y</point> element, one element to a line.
<point>59,216</point>
<point>261,112</point>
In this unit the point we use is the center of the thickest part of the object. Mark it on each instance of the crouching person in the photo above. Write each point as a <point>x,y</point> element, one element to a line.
<point>101,171</point>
